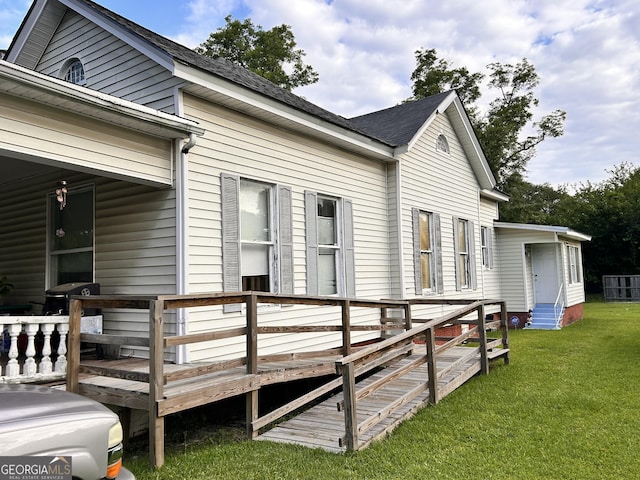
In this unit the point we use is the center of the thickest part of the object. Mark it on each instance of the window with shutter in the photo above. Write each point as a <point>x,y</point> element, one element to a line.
<point>330,253</point>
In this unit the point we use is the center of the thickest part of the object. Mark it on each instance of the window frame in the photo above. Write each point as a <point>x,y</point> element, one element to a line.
<point>573,256</point>
<point>436,275</point>
<point>336,247</point>
<point>271,243</point>
<point>486,246</point>
<point>344,247</point>
<point>53,254</point>
<point>68,72</point>
<point>442,144</point>
<point>464,257</point>
<point>281,270</point>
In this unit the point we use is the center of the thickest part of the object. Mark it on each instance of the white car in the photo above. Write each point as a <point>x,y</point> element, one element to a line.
<point>37,421</point>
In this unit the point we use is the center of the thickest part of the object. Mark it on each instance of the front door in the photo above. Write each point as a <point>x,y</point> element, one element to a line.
<point>545,272</point>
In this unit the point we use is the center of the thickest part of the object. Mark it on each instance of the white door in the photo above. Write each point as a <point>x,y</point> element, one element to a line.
<point>545,272</point>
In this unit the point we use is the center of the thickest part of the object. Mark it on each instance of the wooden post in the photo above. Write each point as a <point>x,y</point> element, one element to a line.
<point>251,397</point>
<point>350,412</point>
<point>73,355</point>
<point>407,317</point>
<point>346,328</point>
<point>504,326</point>
<point>482,334</point>
<point>156,382</point>
<point>432,369</point>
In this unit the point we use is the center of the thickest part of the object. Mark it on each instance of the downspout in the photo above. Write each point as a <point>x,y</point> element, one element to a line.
<point>480,233</point>
<point>182,236</point>
<point>399,223</point>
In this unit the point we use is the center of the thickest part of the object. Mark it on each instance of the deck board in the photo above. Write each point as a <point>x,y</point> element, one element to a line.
<point>322,425</point>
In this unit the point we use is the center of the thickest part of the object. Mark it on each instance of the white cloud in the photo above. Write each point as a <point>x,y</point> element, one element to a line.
<point>587,53</point>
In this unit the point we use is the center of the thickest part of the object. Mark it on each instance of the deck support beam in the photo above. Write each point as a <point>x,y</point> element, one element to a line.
<point>432,368</point>
<point>251,397</point>
<point>156,377</point>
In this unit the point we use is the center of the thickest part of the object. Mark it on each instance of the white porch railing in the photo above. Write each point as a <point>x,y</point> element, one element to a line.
<point>558,307</point>
<point>26,357</point>
<point>31,364</point>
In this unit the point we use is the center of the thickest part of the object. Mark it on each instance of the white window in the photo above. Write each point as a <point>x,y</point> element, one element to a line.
<point>257,247</point>
<point>442,144</point>
<point>328,246</point>
<point>574,264</point>
<point>329,237</point>
<point>74,72</point>
<point>71,238</point>
<point>487,247</point>
<point>256,236</point>
<point>427,256</point>
<point>464,253</point>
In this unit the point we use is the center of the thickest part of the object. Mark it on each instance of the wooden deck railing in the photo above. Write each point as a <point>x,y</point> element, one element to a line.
<point>355,364</point>
<point>163,399</point>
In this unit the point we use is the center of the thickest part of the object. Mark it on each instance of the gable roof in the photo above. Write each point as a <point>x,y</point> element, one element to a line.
<point>398,125</point>
<point>383,134</point>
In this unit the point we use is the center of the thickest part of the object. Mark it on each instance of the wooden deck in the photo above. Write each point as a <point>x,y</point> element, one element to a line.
<point>322,426</point>
<point>378,385</point>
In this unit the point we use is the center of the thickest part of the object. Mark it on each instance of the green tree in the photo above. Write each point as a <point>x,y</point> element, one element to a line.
<point>500,130</point>
<point>609,211</point>
<point>538,204</point>
<point>272,54</point>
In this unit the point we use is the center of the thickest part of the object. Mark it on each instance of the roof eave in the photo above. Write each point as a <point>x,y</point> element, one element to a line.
<point>58,93</point>
<point>556,229</point>
<point>240,98</point>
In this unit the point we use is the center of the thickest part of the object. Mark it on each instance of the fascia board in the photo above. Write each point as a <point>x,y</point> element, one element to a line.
<point>96,100</point>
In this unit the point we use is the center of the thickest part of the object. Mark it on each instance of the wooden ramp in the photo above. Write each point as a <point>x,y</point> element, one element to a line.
<point>323,425</point>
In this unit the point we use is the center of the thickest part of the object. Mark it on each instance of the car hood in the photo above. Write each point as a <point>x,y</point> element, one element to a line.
<point>44,402</point>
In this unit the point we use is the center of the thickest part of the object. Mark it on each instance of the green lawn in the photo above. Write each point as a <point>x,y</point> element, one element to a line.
<point>567,407</point>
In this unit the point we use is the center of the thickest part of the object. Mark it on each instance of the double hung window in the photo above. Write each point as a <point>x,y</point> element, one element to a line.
<point>486,243</point>
<point>329,236</point>
<point>257,250</point>
<point>427,256</point>
<point>464,252</point>
<point>574,264</point>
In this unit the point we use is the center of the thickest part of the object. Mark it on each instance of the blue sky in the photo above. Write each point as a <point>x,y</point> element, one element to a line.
<point>587,53</point>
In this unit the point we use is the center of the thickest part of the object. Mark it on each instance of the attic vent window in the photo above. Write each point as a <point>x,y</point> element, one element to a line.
<point>442,144</point>
<point>75,73</point>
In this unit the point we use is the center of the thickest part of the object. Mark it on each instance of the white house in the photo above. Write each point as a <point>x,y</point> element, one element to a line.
<point>188,174</point>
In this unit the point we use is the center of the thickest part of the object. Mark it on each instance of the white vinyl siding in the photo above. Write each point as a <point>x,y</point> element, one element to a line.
<point>111,66</point>
<point>435,181</point>
<point>77,142</point>
<point>246,147</point>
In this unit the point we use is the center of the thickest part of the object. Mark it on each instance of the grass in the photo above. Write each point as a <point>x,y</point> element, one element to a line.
<point>567,407</point>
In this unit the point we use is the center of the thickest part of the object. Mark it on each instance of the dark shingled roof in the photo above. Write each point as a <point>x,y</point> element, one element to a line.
<point>225,69</point>
<point>397,125</point>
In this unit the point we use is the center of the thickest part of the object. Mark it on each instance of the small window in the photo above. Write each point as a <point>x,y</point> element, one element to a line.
<point>574,265</point>
<point>487,247</point>
<point>442,144</point>
<point>75,73</point>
